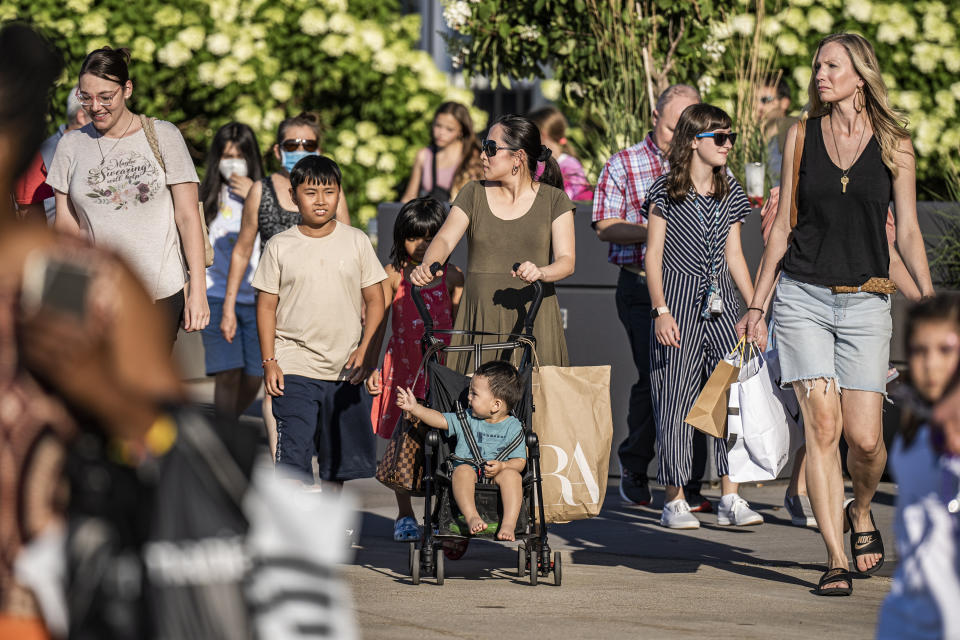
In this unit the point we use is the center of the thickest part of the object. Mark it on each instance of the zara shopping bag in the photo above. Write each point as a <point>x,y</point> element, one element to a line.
<point>709,412</point>
<point>573,419</point>
<point>769,427</point>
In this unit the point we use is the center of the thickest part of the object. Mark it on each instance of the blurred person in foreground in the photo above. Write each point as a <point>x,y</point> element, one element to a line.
<point>109,370</point>
<point>76,118</point>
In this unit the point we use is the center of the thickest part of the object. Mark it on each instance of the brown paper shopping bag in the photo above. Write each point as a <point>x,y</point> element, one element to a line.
<point>573,420</point>
<point>709,412</point>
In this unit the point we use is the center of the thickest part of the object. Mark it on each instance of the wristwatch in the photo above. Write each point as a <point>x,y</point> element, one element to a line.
<point>656,312</point>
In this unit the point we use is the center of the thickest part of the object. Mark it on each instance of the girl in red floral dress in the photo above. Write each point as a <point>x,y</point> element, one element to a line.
<point>416,224</point>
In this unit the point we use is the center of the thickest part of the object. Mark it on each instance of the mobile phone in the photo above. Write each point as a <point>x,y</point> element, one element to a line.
<point>55,283</point>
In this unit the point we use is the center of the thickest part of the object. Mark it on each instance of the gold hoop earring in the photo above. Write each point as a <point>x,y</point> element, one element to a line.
<point>516,168</point>
<point>859,94</point>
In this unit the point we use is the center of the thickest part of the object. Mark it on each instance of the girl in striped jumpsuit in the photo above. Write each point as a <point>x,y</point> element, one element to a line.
<point>693,259</point>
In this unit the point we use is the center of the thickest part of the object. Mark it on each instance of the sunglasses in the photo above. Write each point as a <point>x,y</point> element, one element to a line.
<point>767,99</point>
<point>490,148</point>
<point>719,139</point>
<point>292,144</point>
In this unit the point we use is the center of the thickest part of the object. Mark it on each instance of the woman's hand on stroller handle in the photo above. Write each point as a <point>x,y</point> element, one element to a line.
<point>527,271</point>
<point>422,275</point>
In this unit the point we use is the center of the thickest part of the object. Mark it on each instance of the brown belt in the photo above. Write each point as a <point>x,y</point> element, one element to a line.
<point>873,285</point>
<point>634,268</point>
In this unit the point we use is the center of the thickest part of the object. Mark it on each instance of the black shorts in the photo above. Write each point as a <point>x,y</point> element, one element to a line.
<point>327,418</point>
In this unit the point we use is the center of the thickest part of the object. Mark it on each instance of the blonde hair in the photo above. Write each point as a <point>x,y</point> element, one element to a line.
<point>553,124</point>
<point>889,126</point>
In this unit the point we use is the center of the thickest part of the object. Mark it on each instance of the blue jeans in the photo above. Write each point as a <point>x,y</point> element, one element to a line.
<point>637,450</point>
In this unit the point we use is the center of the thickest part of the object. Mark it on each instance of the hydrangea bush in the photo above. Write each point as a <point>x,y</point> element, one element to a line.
<point>916,44</point>
<point>202,63</point>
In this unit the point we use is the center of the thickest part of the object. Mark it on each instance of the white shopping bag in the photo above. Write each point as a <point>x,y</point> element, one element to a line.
<point>764,426</point>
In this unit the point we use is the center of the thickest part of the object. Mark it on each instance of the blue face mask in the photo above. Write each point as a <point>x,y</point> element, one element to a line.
<point>289,159</point>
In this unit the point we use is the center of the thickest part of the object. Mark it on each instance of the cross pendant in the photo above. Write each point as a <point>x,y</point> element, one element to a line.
<point>843,181</point>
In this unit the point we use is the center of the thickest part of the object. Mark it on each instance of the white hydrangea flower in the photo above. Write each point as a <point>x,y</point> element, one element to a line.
<point>417,103</point>
<point>706,83</point>
<point>796,20</point>
<point>372,36</point>
<point>334,45</point>
<point>950,140</point>
<point>281,91</point>
<point>223,11</point>
<point>276,15</point>
<point>951,59</point>
<point>335,5</point>
<point>365,129</point>
<point>788,44</point>
<point>342,23</point>
<point>97,42</point>
<point>347,139</point>
<point>925,56</point>
<point>378,143</point>
<point>167,16</point>
<point>249,114</point>
<point>528,32</point>
<point>926,133</point>
<point>771,27</point>
<point>721,31</point>
<point>888,33</point>
<point>365,156</point>
<point>432,79</point>
<point>192,37</point>
<point>79,6</point>
<point>218,44</point>
<point>801,75</point>
<point>955,90</point>
<point>226,71</point>
<point>272,119</point>
<point>385,61</point>
<point>457,14</point>
<point>313,21</point>
<point>366,213</point>
<point>946,104</point>
<point>910,100</point>
<point>820,19</point>
<point>379,188</point>
<point>174,54</point>
<point>207,72</point>
<point>93,24</point>
<point>801,3</point>
<point>744,23</point>
<point>550,89</point>
<point>246,74</point>
<point>859,10</point>
<point>243,49</point>
<point>143,48</point>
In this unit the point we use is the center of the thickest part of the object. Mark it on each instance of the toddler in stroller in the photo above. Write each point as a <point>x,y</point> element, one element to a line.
<point>489,442</point>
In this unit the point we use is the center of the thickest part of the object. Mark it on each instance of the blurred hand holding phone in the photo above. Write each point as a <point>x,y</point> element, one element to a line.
<point>56,283</point>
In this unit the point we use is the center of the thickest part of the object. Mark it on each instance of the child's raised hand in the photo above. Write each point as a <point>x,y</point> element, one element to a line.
<point>406,400</point>
<point>374,387</point>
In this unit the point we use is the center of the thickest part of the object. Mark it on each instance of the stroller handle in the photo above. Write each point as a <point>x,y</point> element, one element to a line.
<point>428,321</point>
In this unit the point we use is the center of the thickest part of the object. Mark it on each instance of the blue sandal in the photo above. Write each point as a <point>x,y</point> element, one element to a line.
<point>406,530</point>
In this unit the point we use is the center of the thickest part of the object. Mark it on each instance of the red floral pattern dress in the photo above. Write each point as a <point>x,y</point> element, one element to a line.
<point>403,355</point>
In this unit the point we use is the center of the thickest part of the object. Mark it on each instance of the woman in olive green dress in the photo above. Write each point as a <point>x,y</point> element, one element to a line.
<point>509,217</point>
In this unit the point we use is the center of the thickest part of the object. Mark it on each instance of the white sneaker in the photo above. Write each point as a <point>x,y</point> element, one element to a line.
<point>676,515</point>
<point>737,512</point>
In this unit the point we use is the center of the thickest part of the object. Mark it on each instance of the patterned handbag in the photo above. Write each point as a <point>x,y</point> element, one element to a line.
<point>401,467</point>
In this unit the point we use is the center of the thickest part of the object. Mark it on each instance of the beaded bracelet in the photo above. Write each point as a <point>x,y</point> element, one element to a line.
<point>269,360</point>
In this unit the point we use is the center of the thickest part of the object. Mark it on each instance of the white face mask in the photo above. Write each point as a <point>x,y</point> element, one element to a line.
<point>233,167</point>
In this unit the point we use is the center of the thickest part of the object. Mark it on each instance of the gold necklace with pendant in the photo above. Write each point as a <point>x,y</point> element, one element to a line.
<point>844,180</point>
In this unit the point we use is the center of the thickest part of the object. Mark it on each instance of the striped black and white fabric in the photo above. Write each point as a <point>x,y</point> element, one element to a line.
<point>697,230</point>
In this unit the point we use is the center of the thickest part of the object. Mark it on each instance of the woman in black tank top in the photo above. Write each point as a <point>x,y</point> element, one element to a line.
<point>857,157</point>
<point>264,213</point>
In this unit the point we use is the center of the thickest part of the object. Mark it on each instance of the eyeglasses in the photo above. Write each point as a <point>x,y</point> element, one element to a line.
<point>767,99</point>
<point>719,139</point>
<point>491,148</point>
<point>105,100</point>
<point>292,144</point>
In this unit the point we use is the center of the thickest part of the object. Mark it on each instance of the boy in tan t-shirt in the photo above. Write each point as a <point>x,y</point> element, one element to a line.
<point>313,280</point>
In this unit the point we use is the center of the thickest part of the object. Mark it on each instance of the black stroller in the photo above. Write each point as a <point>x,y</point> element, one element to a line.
<point>443,521</point>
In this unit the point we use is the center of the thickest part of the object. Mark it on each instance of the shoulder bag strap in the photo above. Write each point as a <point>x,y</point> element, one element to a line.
<point>433,165</point>
<point>797,157</point>
<point>151,132</point>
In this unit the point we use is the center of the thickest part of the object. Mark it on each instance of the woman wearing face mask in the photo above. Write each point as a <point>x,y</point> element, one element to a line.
<point>268,209</point>
<point>233,166</point>
<point>110,186</point>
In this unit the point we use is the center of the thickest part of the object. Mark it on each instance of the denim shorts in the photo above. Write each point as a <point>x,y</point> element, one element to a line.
<point>843,337</point>
<point>243,353</point>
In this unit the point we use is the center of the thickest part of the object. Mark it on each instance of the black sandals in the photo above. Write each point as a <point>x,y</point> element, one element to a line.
<point>831,576</point>
<point>863,543</point>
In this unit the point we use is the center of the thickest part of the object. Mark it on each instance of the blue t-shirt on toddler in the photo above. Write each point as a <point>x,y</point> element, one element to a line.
<point>492,438</point>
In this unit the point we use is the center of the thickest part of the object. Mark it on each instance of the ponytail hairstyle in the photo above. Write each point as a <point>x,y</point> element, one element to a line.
<point>469,168</point>
<point>302,119</point>
<point>108,63</point>
<point>553,125</point>
<point>419,218</point>
<point>945,307</point>
<point>697,118</point>
<point>246,142</point>
<point>521,134</point>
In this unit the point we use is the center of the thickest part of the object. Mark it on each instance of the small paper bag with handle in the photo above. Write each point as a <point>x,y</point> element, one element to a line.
<point>709,412</point>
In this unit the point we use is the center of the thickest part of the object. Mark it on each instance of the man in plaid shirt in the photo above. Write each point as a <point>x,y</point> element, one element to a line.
<point>621,191</point>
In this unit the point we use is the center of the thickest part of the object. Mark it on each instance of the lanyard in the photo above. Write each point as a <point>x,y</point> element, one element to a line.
<point>711,233</point>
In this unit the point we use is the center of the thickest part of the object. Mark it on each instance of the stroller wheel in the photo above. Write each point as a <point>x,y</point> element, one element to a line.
<point>534,571</point>
<point>557,573</point>
<point>521,561</point>
<point>413,545</point>
<point>415,566</point>
<point>439,568</point>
